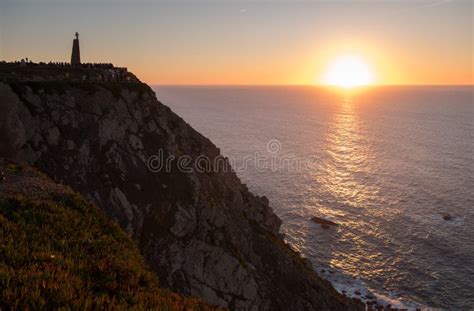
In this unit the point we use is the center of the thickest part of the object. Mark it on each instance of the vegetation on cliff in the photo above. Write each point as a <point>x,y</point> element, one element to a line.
<point>59,251</point>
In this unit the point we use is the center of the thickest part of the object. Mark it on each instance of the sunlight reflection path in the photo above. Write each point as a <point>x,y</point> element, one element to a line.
<point>344,180</point>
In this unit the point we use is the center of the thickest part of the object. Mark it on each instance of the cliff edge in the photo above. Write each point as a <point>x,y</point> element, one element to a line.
<point>200,230</point>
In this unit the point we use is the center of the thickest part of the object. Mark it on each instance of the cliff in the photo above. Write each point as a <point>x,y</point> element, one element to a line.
<point>200,230</point>
<point>60,251</point>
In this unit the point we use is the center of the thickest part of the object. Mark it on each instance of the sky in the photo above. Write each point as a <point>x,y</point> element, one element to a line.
<point>248,42</point>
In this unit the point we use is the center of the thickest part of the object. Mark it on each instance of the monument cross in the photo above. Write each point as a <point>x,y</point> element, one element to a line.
<point>76,55</point>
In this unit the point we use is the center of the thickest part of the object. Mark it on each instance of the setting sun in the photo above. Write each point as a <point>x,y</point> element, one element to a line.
<point>348,72</point>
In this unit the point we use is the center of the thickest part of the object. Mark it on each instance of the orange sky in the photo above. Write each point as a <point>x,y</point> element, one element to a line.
<point>242,42</point>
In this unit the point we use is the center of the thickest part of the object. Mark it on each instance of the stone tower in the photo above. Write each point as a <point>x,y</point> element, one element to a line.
<point>76,55</point>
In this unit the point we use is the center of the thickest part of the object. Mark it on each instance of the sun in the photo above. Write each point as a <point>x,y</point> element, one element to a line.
<point>348,72</point>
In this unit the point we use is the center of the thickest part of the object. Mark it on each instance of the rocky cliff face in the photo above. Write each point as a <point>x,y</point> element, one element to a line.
<point>200,230</point>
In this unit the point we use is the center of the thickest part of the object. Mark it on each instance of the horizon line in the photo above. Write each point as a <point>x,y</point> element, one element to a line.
<point>313,85</point>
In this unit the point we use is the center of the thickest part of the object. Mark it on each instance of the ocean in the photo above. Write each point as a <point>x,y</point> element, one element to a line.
<point>392,166</point>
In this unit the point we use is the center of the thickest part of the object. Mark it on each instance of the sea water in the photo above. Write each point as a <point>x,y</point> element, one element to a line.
<point>392,166</point>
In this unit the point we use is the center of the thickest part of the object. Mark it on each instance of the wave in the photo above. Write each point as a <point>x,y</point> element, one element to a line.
<point>373,299</point>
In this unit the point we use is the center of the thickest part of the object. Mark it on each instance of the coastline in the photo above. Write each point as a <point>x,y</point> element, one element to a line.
<point>355,288</point>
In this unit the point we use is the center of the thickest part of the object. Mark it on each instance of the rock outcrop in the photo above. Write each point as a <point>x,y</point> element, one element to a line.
<point>324,223</point>
<point>198,227</point>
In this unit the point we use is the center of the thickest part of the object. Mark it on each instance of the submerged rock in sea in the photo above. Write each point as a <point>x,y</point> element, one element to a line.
<point>325,224</point>
<point>447,217</point>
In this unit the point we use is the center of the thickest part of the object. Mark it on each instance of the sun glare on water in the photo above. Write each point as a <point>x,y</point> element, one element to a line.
<point>348,72</point>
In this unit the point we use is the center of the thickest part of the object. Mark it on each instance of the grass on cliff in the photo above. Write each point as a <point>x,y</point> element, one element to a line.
<point>59,251</point>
